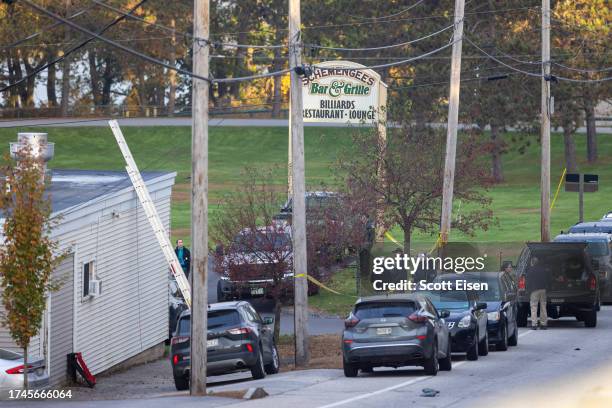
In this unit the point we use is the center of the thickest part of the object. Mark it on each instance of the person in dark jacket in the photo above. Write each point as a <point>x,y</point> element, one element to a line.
<point>184,257</point>
<point>537,282</point>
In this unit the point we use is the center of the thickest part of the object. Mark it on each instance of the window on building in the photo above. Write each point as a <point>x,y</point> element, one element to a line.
<point>88,275</point>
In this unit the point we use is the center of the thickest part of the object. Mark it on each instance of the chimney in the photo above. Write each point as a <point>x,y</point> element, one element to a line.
<point>39,147</point>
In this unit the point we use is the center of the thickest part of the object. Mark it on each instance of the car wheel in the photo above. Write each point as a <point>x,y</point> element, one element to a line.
<point>590,318</point>
<point>521,318</point>
<point>274,365</point>
<point>350,370</point>
<point>472,353</point>
<point>503,343</point>
<point>513,340</point>
<point>181,383</point>
<point>446,363</point>
<point>483,347</point>
<point>257,370</point>
<point>432,365</point>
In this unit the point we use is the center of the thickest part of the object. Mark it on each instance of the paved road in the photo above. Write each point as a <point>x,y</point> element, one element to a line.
<point>545,363</point>
<point>185,121</point>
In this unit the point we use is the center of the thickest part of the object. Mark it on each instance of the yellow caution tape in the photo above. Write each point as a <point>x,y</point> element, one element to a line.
<point>395,241</point>
<point>558,188</point>
<point>321,285</point>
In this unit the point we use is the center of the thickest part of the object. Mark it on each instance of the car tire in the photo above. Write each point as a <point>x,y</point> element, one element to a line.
<point>521,318</point>
<point>590,318</point>
<point>502,345</point>
<point>472,353</point>
<point>431,364</point>
<point>446,363</point>
<point>350,370</point>
<point>513,340</point>
<point>483,347</point>
<point>181,383</point>
<point>274,365</point>
<point>258,370</point>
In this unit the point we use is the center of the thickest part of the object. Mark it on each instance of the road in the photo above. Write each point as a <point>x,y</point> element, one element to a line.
<point>565,359</point>
<point>602,127</point>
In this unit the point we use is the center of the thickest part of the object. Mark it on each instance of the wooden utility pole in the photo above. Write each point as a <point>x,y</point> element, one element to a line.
<point>545,126</point>
<point>199,199</point>
<point>298,188</point>
<point>453,118</point>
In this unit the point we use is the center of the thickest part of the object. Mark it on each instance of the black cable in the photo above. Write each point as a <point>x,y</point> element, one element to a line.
<point>73,49</point>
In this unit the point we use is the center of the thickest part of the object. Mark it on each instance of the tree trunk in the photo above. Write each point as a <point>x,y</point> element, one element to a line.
<point>66,68</point>
<point>496,155</point>
<point>589,111</point>
<point>171,73</point>
<point>407,233</point>
<point>570,149</point>
<point>51,78</point>
<point>277,66</point>
<point>25,368</point>
<point>94,78</point>
<point>277,318</point>
<point>107,83</point>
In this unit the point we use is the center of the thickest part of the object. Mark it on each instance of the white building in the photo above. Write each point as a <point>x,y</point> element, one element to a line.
<point>111,242</point>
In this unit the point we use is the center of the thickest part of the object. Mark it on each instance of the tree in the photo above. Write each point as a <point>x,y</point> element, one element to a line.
<point>412,161</point>
<point>28,255</point>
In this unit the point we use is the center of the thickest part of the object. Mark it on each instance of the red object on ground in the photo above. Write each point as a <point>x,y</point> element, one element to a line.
<point>84,371</point>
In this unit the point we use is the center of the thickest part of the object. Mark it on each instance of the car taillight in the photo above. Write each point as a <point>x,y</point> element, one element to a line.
<point>421,337</point>
<point>592,282</point>
<point>179,339</point>
<point>176,358</point>
<point>521,282</point>
<point>417,318</point>
<point>240,330</point>
<point>17,370</point>
<point>249,347</point>
<point>352,321</point>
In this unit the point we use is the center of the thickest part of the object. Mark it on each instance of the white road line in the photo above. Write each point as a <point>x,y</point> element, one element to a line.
<point>395,387</point>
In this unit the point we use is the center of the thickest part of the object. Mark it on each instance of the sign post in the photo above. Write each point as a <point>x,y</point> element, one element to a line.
<point>581,183</point>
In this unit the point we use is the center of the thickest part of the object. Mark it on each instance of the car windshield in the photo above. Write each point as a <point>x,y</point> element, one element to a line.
<point>448,299</point>
<point>595,247</point>
<point>591,228</point>
<point>262,242</point>
<point>374,310</point>
<point>216,319</point>
<point>9,355</point>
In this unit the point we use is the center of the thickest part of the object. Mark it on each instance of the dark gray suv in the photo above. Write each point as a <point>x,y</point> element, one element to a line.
<point>238,339</point>
<point>394,331</point>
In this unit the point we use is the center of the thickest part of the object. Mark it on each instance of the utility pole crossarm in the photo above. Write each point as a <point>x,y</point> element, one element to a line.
<point>151,212</point>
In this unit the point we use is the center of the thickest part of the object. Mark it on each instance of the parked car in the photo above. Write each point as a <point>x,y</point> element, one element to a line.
<point>607,216</point>
<point>500,296</point>
<point>572,287</point>
<point>394,331</point>
<point>11,373</point>
<point>467,322</point>
<point>176,305</point>
<point>238,340</point>
<point>599,247</point>
<point>250,259</point>
<point>590,227</point>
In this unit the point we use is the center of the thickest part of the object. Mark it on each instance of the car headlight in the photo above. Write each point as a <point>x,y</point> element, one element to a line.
<point>465,321</point>
<point>493,316</point>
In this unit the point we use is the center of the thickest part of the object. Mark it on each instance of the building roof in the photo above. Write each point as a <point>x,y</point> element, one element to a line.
<point>71,188</point>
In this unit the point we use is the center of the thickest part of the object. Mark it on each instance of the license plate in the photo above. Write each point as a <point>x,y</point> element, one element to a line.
<point>383,331</point>
<point>556,300</point>
<point>212,342</point>
<point>257,291</point>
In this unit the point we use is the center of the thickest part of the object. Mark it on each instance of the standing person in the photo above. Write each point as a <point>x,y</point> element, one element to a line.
<point>537,281</point>
<point>184,257</point>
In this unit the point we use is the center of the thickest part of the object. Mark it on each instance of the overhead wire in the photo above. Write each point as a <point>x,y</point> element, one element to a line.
<point>419,2</point>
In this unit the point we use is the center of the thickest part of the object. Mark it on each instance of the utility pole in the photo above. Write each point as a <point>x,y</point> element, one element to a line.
<point>199,199</point>
<point>545,126</point>
<point>453,118</point>
<point>298,224</point>
<point>581,197</point>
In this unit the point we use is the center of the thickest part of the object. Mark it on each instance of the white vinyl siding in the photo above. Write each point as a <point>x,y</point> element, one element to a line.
<point>60,327</point>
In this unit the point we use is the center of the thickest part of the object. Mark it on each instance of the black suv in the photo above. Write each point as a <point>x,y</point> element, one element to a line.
<point>394,331</point>
<point>572,284</point>
<point>238,339</point>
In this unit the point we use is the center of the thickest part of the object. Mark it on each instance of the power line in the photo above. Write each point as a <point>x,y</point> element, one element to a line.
<point>391,15</point>
<point>585,70</point>
<point>73,49</point>
<point>384,47</point>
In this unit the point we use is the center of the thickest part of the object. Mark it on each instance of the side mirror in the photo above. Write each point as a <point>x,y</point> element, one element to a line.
<point>481,306</point>
<point>220,250</point>
<point>444,313</point>
<point>268,320</point>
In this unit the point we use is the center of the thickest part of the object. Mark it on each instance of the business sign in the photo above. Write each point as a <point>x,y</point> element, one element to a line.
<point>590,182</point>
<point>343,92</point>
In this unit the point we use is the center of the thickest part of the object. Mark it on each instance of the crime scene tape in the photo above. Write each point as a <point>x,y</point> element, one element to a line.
<point>396,242</point>
<point>321,285</point>
<point>552,205</point>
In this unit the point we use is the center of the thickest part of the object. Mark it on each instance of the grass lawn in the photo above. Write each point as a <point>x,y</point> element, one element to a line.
<point>343,282</point>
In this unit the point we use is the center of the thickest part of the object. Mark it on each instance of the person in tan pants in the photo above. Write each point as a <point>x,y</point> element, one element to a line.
<point>537,281</point>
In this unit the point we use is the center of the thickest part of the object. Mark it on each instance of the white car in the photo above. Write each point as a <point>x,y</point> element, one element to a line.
<point>11,373</point>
